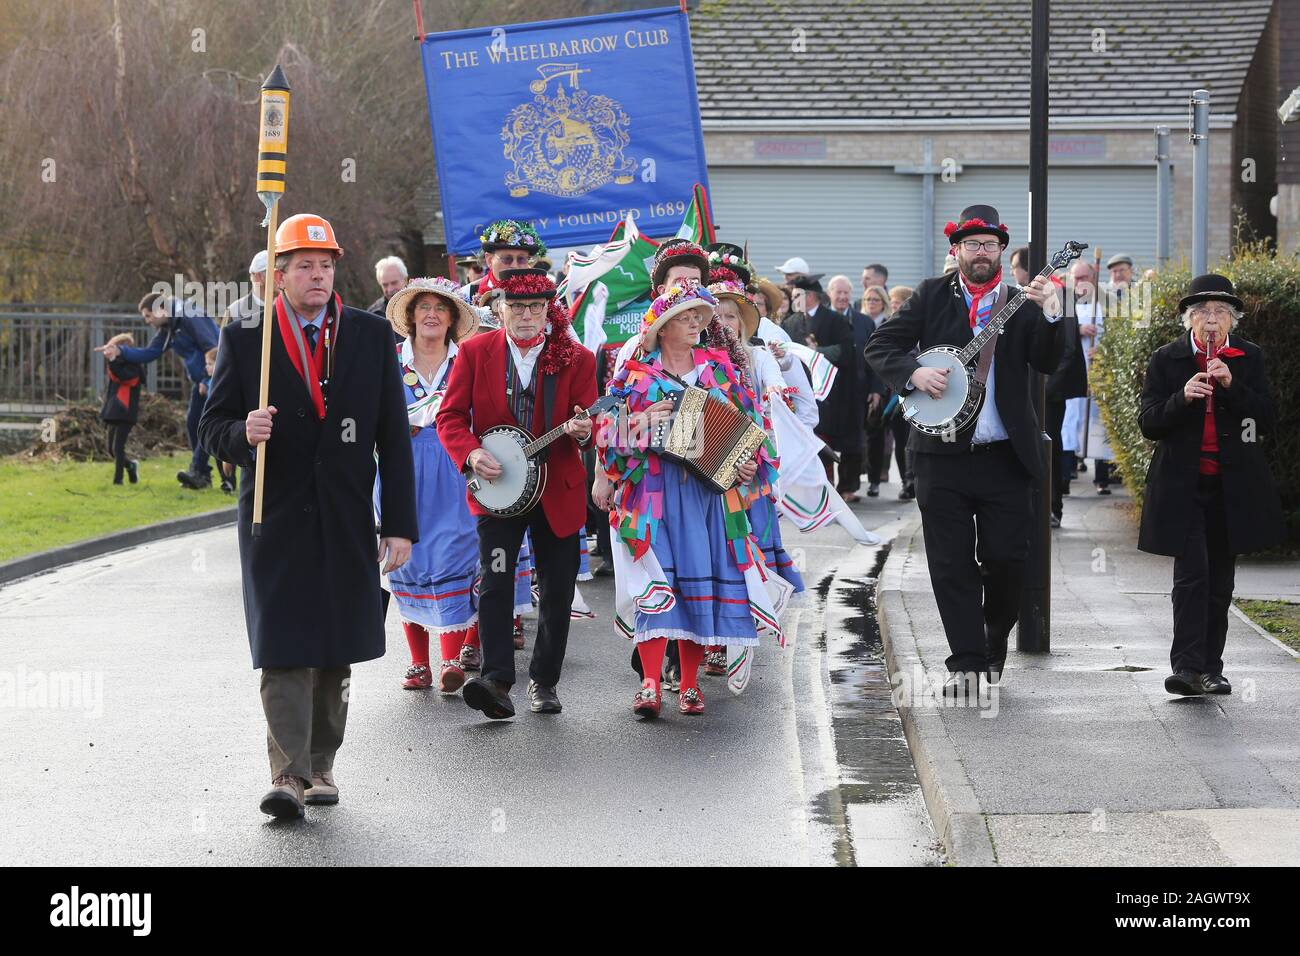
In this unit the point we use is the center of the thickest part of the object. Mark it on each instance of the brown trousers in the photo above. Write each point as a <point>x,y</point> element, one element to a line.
<point>306,711</point>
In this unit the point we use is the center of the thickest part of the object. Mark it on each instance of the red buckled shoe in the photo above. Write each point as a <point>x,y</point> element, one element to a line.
<point>418,677</point>
<point>450,677</point>
<point>692,702</point>
<point>647,702</point>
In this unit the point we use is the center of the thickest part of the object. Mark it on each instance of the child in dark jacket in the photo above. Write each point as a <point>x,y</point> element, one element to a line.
<point>227,469</point>
<point>122,409</point>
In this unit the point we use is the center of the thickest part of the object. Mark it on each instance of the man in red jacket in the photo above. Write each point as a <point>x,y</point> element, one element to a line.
<point>532,373</point>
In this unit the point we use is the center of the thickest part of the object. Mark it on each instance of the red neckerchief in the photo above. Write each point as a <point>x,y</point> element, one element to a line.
<point>124,386</point>
<point>486,284</point>
<point>1210,430</point>
<point>317,356</point>
<point>978,292</point>
<point>526,344</point>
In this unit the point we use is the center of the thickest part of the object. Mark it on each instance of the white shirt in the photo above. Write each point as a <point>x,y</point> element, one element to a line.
<point>989,426</point>
<point>524,363</point>
<point>407,358</point>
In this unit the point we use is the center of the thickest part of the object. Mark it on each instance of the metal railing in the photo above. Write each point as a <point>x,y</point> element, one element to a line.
<point>47,353</point>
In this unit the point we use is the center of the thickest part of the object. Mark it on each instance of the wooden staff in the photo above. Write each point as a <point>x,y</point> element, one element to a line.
<point>271,158</point>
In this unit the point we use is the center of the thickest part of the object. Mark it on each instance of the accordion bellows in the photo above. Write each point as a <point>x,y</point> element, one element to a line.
<point>708,436</point>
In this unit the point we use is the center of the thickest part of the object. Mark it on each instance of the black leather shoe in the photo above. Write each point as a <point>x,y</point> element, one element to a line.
<point>543,700</point>
<point>133,471</point>
<point>1215,684</point>
<point>192,481</point>
<point>962,686</point>
<point>490,696</point>
<point>1184,683</point>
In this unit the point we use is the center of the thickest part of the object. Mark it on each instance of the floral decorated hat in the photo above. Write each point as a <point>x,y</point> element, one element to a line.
<point>729,256</point>
<point>466,314</point>
<point>512,234</point>
<point>731,289</point>
<point>673,302</point>
<point>675,252</point>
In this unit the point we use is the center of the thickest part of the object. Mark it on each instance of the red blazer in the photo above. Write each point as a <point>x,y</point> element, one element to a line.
<point>476,401</point>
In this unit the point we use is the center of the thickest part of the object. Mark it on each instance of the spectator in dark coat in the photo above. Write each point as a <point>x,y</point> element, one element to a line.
<point>1209,495</point>
<point>829,332</point>
<point>840,290</point>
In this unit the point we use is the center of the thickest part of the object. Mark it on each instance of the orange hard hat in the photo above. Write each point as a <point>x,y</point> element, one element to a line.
<point>306,231</point>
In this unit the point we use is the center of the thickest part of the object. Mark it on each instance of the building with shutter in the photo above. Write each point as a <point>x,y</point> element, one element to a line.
<point>848,132</point>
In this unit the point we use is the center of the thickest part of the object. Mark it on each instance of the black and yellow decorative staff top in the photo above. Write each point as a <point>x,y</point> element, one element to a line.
<point>273,140</point>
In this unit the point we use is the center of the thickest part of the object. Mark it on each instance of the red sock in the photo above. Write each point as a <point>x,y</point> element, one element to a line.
<point>691,655</point>
<point>417,638</point>
<point>652,659</point>
<point>451,643</point>
<point>713,647</point>
<point>471,636</point>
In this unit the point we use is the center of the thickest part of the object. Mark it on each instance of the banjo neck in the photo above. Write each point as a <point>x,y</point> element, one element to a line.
<point>537,444</point>
<point>994,325</point>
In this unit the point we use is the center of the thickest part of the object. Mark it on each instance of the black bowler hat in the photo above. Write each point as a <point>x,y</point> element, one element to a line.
<point>1210,287</point>
<point>976,220</point>
<point>808,283</point>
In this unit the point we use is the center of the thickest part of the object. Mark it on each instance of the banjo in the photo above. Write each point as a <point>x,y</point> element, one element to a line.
<point>959,405</point>
<point>523,475</point>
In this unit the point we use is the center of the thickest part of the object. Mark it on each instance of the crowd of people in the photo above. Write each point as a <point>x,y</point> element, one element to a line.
<point>381,420</point>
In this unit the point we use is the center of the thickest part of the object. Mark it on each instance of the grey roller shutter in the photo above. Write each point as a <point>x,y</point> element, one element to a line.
<point>1114,206</point>
<point>839,219</point>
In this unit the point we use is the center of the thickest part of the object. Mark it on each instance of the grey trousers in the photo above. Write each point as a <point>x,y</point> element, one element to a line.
<point>306,711</point>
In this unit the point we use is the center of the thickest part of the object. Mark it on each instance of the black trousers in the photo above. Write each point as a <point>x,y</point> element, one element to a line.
<point>1055,419</point>
<point>902,433</point>
<point>117,435</point>
<point>1102,476</point>
<point>556,560</point>
<point>875,449</point>
<point>199,459</point>
<point>1204,576</point>
<point>850,472</point>
<point>975,515</point>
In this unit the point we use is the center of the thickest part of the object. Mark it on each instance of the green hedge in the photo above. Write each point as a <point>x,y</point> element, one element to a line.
<point>1269,287</point>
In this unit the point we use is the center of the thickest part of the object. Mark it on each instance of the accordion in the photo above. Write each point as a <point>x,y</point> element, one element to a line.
<point>708,436</point>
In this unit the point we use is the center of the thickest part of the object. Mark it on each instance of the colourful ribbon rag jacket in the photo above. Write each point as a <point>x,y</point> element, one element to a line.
<point>638,474</point>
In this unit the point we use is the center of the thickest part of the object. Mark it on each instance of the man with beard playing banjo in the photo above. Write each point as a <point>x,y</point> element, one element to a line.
<point>973,485</point>
<point>532,374</point>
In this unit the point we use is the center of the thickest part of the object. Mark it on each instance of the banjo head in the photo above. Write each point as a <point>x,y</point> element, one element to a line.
<point>519,484</point>
<point>935,415</point>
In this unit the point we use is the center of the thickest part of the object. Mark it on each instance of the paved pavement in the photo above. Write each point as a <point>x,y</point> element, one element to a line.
<point>1082,758</point>
<point>133,733</point>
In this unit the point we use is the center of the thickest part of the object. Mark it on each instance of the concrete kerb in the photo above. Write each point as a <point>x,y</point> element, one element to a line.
<point>949,796</point>
<point>43,561</point>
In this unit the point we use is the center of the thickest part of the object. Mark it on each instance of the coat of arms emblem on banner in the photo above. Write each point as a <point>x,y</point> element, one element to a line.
<point>567,144</point>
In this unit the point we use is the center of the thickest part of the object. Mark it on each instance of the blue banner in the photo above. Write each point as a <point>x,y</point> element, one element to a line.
<point>567,124</point>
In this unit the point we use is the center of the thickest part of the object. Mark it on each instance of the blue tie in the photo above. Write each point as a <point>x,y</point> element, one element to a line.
<point>310,332</point>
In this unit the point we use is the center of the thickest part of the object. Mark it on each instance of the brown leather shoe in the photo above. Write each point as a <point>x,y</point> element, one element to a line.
<point>285,798</point>
<point>323,791</point>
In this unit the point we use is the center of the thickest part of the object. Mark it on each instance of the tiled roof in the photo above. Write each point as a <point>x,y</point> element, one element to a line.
<point>922,59</point>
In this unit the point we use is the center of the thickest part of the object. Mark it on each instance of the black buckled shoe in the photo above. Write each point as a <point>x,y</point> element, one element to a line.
<point>1215,684</point>
<point>489,696</point>
<point>1184,684</point>
<point>543,699</point>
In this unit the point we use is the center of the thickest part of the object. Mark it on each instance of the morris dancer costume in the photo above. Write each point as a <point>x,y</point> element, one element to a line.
<point>768,385</point>
<point>688,568</point>
<point>533,383</point>
<point>434,590</point>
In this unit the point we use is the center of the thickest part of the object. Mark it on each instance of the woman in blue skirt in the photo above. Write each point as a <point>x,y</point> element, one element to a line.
<point>434,590</point>
<point>688,567</point>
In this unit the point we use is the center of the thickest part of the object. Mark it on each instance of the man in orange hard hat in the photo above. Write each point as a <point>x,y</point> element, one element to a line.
<point>312,596</point>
